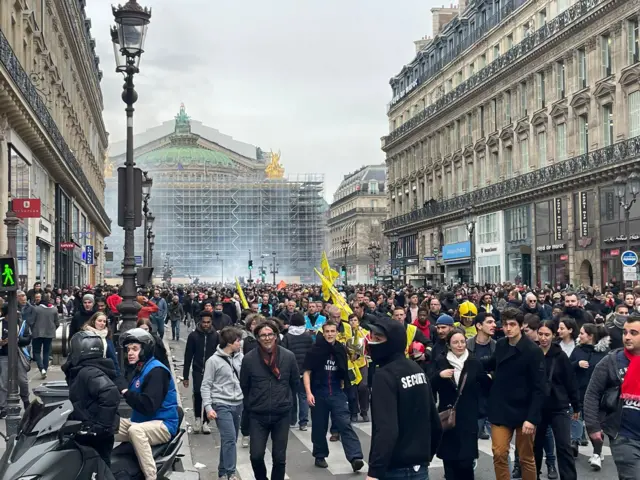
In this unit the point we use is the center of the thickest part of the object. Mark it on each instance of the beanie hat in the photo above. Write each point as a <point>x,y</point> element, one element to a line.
<point>87,297</point>
<point>445,319</point>
<point>297,320</point>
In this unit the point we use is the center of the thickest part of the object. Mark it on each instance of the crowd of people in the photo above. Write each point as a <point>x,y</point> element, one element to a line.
<point>433,370</point>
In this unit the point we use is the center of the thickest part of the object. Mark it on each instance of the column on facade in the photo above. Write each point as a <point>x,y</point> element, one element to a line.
<point>572,142</point>
<point>551,131</point>
<point>619,62</point>
<point>597,269</point>
<point>572,234</point>
<point>593,75</point>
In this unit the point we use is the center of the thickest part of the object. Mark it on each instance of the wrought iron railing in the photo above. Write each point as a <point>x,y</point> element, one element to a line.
<point>30,94</point>
<point>567,169</point>
<point>526,46</point>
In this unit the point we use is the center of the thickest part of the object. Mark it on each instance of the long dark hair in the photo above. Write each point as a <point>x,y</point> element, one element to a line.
<point>597,331</point>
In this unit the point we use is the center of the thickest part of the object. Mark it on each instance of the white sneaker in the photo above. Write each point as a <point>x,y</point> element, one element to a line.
<point>245,442</point>
<point>197,426</point>
<point>43,373</point>
<point>596,462</point>
<point>205,429</point>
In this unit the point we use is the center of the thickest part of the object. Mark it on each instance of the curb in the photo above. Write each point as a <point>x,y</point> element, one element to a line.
<point>190,472</point>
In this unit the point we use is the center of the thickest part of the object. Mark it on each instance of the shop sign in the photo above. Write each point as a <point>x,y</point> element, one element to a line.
<point>549,248</point>
<point>564,258</point>
<point>411,261</point>
<point>44,230</point>
<point>584,215</point>
<point>489,249</point>
<point>26,207</point>
<point>621,238</point>
<point>614,252</point>
<point>558,215</point>
<point>88,254</point>
<point>456,251</point>
<point>67,245</point>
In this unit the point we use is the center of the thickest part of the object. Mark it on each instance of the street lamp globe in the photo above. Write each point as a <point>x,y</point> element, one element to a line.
<point>620,187</point>
<point>147,183</point>
<point>150,220</point>
<point>634,183</point>
<point>131,24</point>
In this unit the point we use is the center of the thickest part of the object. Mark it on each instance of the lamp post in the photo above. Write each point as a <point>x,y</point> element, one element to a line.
<point>152,244</point>
<point>623,188</point>
<point>374,253</point>
<point>345,249</point>
<point>250,266</point>
<point>274,267</point>
<point>221,261</point>
<point>147,182</point>
<point>393,253</point>
<point>470,224</point>
<point>128,37</point>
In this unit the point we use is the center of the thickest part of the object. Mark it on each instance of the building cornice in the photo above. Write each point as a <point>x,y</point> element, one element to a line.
<point>591,168</point>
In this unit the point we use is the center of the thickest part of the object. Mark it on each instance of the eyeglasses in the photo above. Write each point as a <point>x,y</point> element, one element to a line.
<point>265,336</point>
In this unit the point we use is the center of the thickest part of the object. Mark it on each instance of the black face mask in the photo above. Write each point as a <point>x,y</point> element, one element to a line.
<point>571,310</point>
<point>380,352</point>
<point>217,314</point>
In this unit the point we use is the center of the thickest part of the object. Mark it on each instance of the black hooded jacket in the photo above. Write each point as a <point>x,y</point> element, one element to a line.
<point>406,426</point>
<point>94,394</point>
<point>200,346</point>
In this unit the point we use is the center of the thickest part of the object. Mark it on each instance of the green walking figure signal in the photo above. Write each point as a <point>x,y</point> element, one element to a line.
<point>8,270</point>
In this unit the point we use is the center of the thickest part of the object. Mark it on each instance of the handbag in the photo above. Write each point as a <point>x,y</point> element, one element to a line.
<point>24,360</point>
<point>448,416</point>
<point>611,396</point>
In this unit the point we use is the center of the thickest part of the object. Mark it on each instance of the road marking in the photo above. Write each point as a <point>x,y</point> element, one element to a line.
<point>243,462</point>
<point>338,464</point>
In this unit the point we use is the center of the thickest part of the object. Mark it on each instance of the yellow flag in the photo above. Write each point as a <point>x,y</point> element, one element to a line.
<point>329,274</point>
<point>243,300</point>
<point>338,300</point>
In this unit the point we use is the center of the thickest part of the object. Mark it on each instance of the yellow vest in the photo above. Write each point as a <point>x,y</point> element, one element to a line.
<point>411,334</point>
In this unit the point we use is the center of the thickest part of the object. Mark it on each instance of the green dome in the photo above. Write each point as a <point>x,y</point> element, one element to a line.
<point>185,155</point>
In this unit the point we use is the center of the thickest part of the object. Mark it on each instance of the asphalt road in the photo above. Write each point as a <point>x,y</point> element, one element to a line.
<point>205,449</point>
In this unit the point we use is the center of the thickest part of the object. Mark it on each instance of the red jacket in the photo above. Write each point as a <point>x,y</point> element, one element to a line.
<point>425,329</point>
<point>113,301</point>
<point>147,310</point>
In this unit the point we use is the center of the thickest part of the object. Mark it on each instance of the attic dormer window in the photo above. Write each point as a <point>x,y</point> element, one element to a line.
<point>373,187</point>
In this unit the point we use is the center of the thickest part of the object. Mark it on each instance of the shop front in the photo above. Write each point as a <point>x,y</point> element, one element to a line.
<point>457,260</point>
<point>43,252</point>
<point>552,254</point>
<point>489,252</point>
<point>517,246</point>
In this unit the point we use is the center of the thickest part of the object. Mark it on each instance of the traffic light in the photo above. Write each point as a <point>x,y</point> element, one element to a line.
<point>343,270</point>
<point>250,264</point>
<point>9,274</point>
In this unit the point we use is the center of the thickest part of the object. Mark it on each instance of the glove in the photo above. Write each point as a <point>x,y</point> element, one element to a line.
<point>93,429</point>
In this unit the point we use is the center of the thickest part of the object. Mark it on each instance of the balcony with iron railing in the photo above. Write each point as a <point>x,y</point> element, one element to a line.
<point>468,39</point>
<point>572,168</point>
<point>357,211</point>
<point>506,61</point>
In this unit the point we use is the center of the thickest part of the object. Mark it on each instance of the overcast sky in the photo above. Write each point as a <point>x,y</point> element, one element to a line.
<point>310,78</point>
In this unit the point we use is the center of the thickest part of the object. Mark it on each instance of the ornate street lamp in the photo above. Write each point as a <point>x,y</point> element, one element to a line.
<point>374,253</point>
<point>470,224</point>
<point>622,187</point>
<point>128,37</point>
<point>345,248</point>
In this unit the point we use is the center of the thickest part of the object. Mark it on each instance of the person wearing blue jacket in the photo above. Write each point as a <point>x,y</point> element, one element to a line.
<point>153,398</point>
<point>313,320</point>
<point>160,316</point>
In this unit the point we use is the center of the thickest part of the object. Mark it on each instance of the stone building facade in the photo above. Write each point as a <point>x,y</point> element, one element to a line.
<point>526,111</point>
<point>52,132</point>
<point>355,217</point>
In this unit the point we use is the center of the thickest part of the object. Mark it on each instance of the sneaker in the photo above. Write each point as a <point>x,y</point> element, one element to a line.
<point>197,427</point>
<point>303,428</point>
<point>205,429</point>
<point>484,435</point>
<point>365,417</point>
<point>516,474</point>
<point>552,473</point>
<point>334,437</point>
<point>357,464</point>
<point>43,373</point>
<point>321,463</point>
<point>596,462</point>
<point>233,476</point>
<point>245,442</point>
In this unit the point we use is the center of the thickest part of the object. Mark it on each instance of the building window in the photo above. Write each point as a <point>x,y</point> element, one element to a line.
<point>481,173</point>
<point>483,61</point>
<point>634,114</point>
<point>607,124</point>
<point>633,42</point>
<point>487,226</point>
<point>524,154</point>
<point>582,68</point>
<point>583,134</point>
<point>509,42</point>
<point>459,179</point>
<point>508,160</point>
<point>455,235</point>
<point>561,142</point>
<point>469,177</point>
<point>560,83</point>
<point>507,107</point>
<point>373,187</point>
<point>605,51</point>
<point>496,51</point>
<point>472,69</point>
<point>75,224</point>
<point>495,166</point>
<point>489,269</point>
<point>20,175</point>
<point>518,224</point>
<point>562,6</point>
<point>542,149</point>
<point>84,230</point>
<point>540,101</point>
<point>523,99</point>
<point>541,18</point>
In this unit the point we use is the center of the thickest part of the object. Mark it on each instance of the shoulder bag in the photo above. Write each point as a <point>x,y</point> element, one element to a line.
<point>611,396</point>
<point>448,416</point>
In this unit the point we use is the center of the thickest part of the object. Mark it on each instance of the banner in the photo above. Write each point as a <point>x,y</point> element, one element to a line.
<point>329,274</point>
<point>243,300</point>
<point>338,300</point>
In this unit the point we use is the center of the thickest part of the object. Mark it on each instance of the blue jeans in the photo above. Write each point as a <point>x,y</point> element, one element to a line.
<point>159,324</point>
<point>483,424</point>
<point>338,407</point>
<point>407,474</point>
<point>228,423</point>
<point>577,428</point>
<point>300,405</point>
<point>41,351</point>
<point>175,330</point>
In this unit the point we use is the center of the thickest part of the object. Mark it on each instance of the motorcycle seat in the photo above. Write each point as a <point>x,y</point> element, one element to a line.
<point>126,449</point>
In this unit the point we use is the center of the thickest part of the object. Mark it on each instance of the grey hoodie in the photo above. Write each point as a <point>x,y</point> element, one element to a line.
<point>220,384</point>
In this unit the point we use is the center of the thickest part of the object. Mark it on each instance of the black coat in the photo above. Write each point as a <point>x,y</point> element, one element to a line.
<point>592,354</point>
<point>299,345</point>
<point>200,346</point>
<point>564,385</point>
<point>250,343</point>
<point>461,442</point>
<point>517,393</point>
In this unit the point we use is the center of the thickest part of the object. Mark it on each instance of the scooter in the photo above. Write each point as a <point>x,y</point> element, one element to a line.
<point>45,449</point>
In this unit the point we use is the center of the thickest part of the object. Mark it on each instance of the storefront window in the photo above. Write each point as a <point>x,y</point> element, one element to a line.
<point>75,224</point>
<point>552,269</point>
<point>22,250</point>
<point>487,226</point>
<point>488,269</point>
<point>518,224</point>
<point>42,262</point>
<point>20,181</point>
<point>76,275</point>
<point>84,230</point>
<point>514,267</point>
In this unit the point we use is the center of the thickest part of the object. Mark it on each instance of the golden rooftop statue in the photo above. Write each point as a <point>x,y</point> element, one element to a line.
<point>274,169</point>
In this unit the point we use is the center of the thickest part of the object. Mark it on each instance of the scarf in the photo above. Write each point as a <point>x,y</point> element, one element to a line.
<point>270,359</point>
<point>102,333</point>
<point>457,363</point>
<point>630,389</point>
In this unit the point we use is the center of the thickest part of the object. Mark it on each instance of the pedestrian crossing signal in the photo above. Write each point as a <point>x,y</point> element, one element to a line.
<point>9,274</point>
<point>250,264</point>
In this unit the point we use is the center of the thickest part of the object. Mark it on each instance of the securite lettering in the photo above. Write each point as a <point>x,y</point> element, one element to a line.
<point>413,380</point>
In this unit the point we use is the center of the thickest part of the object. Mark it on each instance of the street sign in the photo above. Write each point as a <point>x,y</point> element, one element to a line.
<point>629,270</point>
<point>629,277</point>
<point>429,258</point>
<point>436,251</point>
<point>138,260</point>
<point>88,258</point>
<point>9,274</point>
<point>629,258</point>
<point>395,271</point>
